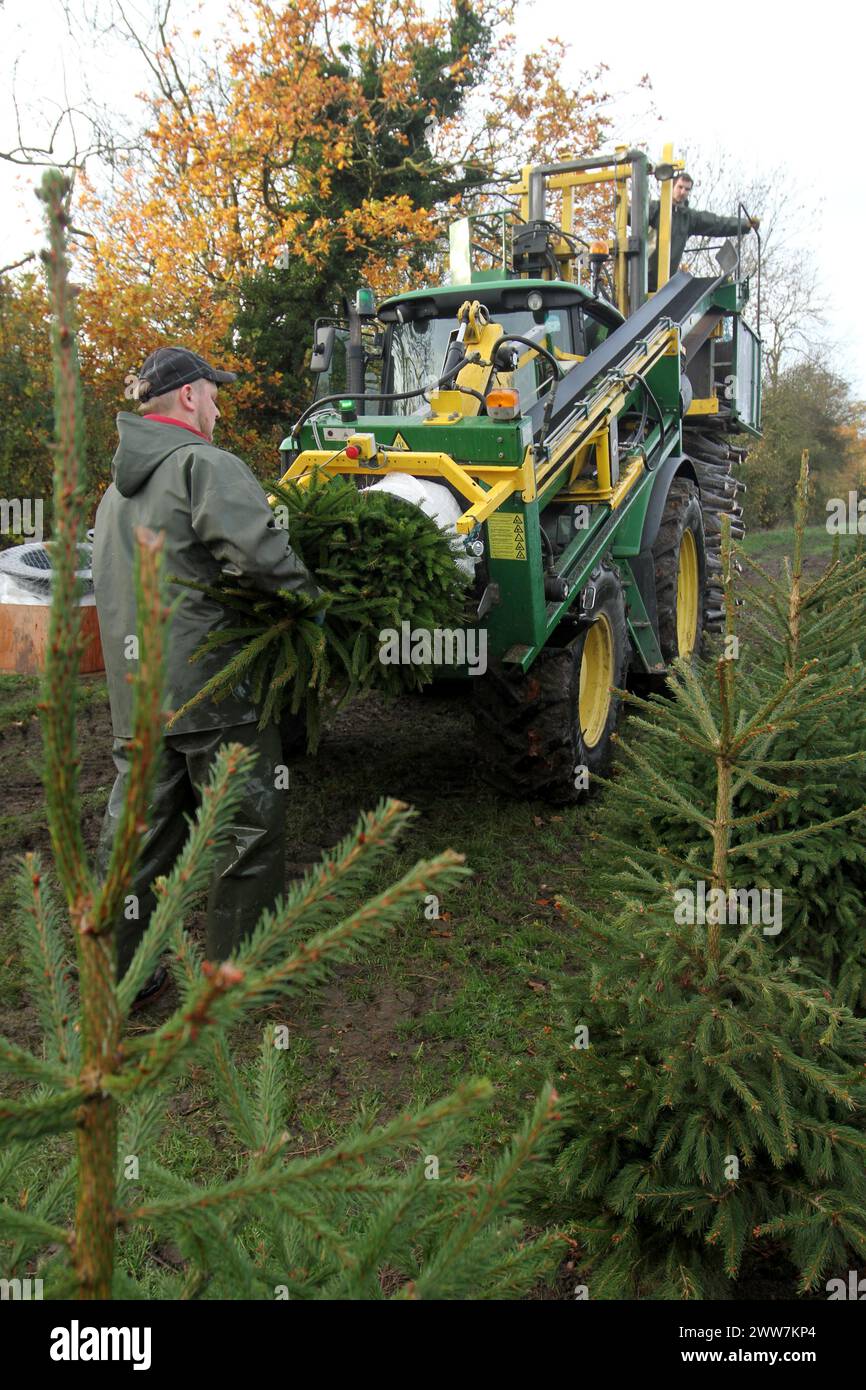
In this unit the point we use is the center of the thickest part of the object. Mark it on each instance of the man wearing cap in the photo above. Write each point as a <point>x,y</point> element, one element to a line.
<point>168,475</point>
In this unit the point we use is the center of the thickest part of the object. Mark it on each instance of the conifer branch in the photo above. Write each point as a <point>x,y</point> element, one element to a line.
<point>65,643</point>
<point>147,719</point>
<point>192,868</point>
<point>276,1182</point>
<point>44,955</point>
<point>32,1118</point>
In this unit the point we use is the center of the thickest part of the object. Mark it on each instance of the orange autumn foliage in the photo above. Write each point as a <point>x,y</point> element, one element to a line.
<point>301,133</point>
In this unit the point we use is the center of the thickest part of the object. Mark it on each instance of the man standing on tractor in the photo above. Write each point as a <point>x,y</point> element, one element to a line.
<point>168,475</point>
<point>687,222</point>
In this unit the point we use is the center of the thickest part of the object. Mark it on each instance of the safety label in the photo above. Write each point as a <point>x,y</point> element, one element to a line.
<point>507,535</point>
<point>399,442</point>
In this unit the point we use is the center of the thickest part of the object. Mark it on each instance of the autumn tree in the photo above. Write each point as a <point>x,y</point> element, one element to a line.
<point>335,136</point>
<point>25,388</point>
<point>808,406</point>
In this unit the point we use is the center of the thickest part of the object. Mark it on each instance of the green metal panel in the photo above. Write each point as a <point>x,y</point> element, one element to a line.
<point>524,620</point>
<point>472,439</point>
<point>628,536</point>
<point>520,617</point>
<point>639,625</point>
<point>664,382</point>
<point>491,280</point>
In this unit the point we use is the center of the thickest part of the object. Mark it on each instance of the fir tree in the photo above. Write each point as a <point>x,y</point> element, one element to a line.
<point>327,1225</point>
<point>381,562</point>
<point>719,1085</point>
<point>818,759</point>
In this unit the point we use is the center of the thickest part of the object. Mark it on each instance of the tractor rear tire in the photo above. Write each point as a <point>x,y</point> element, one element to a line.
<point>714,459</point>
<point>680,557</point>
<point>537,730</point>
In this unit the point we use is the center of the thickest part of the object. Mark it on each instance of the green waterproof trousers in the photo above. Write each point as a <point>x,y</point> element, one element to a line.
<point>249,873</point>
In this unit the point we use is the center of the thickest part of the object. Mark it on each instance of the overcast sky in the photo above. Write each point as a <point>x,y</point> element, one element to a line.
<point>773,84</point>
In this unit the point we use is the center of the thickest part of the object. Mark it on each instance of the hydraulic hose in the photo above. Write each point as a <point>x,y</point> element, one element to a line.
<point>391,396</point>
<point>542,352</point>
<point>527,342</point>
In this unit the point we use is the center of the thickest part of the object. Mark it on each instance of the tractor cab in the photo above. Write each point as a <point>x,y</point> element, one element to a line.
<point>421,334</point>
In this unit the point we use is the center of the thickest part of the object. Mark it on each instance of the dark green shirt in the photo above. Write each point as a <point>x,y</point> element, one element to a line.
<point>216,520</point>
<point>686,222</point>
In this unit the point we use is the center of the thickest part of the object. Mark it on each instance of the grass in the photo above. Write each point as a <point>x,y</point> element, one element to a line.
<point>818,543</point>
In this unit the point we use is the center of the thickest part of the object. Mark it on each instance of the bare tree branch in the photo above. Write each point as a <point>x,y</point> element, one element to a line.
<point>15,264</point>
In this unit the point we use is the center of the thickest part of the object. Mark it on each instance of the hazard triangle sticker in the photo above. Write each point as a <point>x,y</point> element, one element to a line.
<point>399,442</point>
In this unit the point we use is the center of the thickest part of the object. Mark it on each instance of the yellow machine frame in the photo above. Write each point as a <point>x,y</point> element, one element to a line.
<point>487,486</point>
<point>619,174</point>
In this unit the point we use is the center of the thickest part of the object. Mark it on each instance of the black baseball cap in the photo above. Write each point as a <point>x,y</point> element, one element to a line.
<point>169,368</point>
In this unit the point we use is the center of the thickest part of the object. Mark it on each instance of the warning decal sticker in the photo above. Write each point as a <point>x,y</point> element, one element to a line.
<point>399,442</point>
<point>507,536</point>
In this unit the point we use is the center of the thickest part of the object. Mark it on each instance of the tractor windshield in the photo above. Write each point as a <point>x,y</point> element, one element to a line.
<point>415,352</point>
<point>418,349</point>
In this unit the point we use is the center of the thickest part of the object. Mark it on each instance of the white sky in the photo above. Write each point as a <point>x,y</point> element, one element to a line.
<point>772,83</point>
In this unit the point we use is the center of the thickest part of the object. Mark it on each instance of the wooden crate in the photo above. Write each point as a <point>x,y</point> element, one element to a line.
<point>24,638</point>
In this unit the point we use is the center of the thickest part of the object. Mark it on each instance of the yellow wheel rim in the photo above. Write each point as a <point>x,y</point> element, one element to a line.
<point>596,678</point>
<point>687,595</point>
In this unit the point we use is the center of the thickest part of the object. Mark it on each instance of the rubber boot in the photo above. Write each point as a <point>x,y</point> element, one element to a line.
<point>249,872</point>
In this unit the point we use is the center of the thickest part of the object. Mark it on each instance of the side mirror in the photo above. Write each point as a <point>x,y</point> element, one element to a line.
<point>323,347</point>
<point>663,172</point>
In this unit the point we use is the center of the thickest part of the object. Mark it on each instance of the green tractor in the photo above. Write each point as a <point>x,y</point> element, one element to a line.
<point>579,431</point>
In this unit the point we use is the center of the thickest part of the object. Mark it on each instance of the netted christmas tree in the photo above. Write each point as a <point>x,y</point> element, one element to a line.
<point>384,1212</point>
<point>719,1085</point>
<point>818,758</point>
<point>381,562</point>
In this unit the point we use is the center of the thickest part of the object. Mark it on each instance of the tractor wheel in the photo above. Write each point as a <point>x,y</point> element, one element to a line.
<point>680,560</point>
<point>536,730</point>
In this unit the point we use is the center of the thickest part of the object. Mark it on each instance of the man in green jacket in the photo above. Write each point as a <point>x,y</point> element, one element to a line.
<point>687,222</point>
<point>168,475</point>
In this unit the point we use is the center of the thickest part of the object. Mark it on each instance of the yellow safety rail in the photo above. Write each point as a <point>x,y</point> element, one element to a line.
<point>501,483</point>
<point>666,205</point>
<point>620,174</point>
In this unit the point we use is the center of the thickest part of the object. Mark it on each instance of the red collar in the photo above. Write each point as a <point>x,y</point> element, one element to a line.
<point>167,420</point>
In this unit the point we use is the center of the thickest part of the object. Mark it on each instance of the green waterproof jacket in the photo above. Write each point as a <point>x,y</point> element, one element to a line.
<point>216,520</point>
<point>685,222</point>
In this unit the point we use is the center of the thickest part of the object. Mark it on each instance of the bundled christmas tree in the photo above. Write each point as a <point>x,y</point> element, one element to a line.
<point>382,563</point>
<point>382,1213</point>
<point>819,757</point>
<point>720,1087</point>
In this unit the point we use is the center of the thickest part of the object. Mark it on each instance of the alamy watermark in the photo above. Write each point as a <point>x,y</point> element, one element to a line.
<point>21,516</point>
<point>846,516</point>
<point>20,1289</point>
<point>757,907</point>
<point>852,1289</point>
<point>437,646</point>
<point>77,1343</point>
